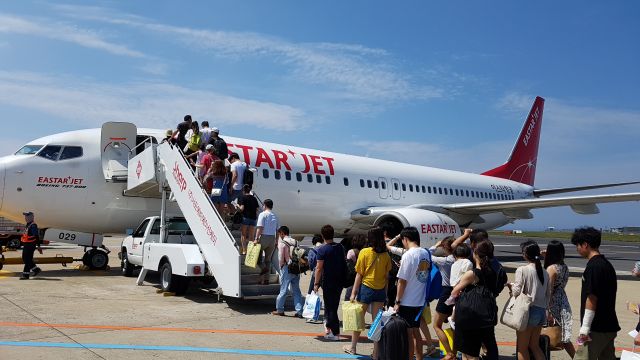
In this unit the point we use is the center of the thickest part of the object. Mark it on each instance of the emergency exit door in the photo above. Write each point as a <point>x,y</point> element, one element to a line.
<point>384,188</point>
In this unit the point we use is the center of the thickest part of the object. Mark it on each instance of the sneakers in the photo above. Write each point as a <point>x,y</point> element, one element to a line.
<point>452,323</point>
<point>35,271</point>
<point>25,276</point>
<point>298,315</point>
<point>331,337</point>
<point>277,313</point>
<point>312,321</point>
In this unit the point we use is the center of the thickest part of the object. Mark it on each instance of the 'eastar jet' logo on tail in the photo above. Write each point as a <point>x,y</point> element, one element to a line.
<point>532,125</point>
<point>177,174</point>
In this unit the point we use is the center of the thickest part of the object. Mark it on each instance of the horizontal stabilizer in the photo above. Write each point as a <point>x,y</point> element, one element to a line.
<point>543,192</point>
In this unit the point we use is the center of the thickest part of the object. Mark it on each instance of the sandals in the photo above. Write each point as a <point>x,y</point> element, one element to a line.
<point>349,350</point>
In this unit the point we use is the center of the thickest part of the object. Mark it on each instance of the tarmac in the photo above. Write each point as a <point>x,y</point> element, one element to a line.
<point>68,313</point>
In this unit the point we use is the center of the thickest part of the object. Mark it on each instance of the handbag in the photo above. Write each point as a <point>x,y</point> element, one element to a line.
<point>218,192</point>
<point>253,253</point>
<point>476,308</point>
<point>554,332</point>
<point>516,312</point>
<point>352,316</point>
<point>375,331</point>
<point>312,305</point>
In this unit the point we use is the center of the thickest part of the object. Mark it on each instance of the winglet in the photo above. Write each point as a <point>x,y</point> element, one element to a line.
<point>521,166</point>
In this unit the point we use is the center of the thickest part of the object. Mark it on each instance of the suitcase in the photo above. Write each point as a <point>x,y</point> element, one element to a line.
<point>394,343</point>
<point>545,346</point>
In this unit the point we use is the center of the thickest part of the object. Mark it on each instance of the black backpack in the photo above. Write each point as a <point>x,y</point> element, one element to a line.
<point>247,178</point>
<point>501,276</point>
<point>299,262</point>
<point>350,273</point>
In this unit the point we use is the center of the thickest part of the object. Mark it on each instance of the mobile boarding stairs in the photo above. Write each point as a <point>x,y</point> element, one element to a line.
<point>163,168</point>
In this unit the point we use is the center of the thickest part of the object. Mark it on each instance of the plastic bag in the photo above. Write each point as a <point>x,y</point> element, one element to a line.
<point>352,316</point>
<point>312,305</point>
<point>375,331</point>
<point>253,254</point>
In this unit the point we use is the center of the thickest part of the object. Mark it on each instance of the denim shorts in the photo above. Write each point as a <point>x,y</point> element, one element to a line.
<point>537,316</point>
<point>367,295</point>
<point>249,222</point>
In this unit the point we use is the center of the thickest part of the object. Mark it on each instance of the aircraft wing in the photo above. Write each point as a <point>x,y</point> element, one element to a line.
<point>543,192</point>
<point>520,208</point>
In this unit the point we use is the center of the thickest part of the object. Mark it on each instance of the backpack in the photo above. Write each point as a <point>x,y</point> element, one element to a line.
<point>434,282</point>
<point>501,276</point>
<point>194,142</point>
<point>299,262</point>
<point>247,178</point>
<point>349,274</point>
<point>220,148</point>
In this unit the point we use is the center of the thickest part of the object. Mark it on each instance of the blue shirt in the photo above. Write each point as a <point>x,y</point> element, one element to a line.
<point>335,266</point>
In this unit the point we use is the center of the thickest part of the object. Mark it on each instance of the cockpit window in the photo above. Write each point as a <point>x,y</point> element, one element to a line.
<point>71,152</point>
<point>29,150</point>
<point>50,152</point>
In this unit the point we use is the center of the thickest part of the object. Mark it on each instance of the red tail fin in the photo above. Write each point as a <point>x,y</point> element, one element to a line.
<point>521,166</point>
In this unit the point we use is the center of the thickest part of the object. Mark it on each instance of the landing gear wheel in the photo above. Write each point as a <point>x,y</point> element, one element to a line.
<point>126,267</point>
<point>172,283</point>
<point>14,243</point>
<point>96,259</point>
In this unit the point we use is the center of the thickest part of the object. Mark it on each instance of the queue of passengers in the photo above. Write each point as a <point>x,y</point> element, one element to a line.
<point>393,271</point>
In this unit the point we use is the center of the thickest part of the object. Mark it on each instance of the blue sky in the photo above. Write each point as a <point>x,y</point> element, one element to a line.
<point>444,84</point>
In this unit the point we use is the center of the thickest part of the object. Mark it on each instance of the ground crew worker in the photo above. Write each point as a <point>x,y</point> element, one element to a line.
<point>30,241</point>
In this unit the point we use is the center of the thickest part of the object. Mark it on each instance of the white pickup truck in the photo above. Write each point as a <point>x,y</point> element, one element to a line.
<point>177,257</point>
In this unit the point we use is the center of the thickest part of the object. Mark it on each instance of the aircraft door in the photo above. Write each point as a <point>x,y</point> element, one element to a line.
<point>384,188</point>
<point>395,189</point>
<point>117,139</point>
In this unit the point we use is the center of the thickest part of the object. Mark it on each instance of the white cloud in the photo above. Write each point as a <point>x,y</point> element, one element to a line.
<point>39,27</point>
<point>145,103</point>
<point>359,72</point>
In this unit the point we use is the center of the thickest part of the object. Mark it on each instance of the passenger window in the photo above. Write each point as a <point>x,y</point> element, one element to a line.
<point>287,175</point>
<point>375,184</point>
<point>346,181</point>
<point>319,179</point>
<point>440,190</point>
<point>429,189</point>
<point>384,185</point>
<point>276,174</point>
<point>411,187</point>
<point>424,190</point>
<point>71,152</point>
<point>327,179</point>
<point>404,187</point>
<point>457,192</point>
<point>155,228</point>
<point>361,183</point>
<point>369,184</point>
<point>141,229</point>
<point>265,173</point>
<point>395,186</point>
<point>310,178</point>
<point>50,152</point>
<point>467,191</point>
<point>445,191</point>
<point>298,176</point>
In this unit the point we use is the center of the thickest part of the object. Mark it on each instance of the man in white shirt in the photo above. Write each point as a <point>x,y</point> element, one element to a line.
<point>412,281</point>
<point>206,133</point>
<point>266,228</point>
<point>237,177</point>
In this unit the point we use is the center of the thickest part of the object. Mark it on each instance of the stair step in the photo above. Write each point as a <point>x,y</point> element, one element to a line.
<point>252,279</point>
<point>270,290</point>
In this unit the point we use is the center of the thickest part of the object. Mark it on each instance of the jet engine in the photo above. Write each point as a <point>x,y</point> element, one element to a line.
<point>432,226</point>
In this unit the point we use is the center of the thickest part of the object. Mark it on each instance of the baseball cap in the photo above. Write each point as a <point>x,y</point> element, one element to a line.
<point>208,147</point>
<point>215,130</point>
<point>169,132</point>
<point>27,213</point>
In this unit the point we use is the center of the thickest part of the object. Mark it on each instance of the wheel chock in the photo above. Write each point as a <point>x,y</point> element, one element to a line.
<point>167,293</point>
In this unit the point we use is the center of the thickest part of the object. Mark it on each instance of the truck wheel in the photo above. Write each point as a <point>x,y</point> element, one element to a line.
<point>172,283</point>
<point>14,243</point>
<point>126,267</point>
<point>96,259</point>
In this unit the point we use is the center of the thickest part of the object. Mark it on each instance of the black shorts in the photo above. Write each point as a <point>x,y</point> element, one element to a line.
<point>469,342</point>
<point>441,307</point>
<point>409,314</point>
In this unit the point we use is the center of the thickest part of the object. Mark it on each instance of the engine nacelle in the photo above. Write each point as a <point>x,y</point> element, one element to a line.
<point>432,226</point>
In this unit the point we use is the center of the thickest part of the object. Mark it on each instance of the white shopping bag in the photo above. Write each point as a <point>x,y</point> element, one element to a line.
<point>375,331</point>
<point>628,355</point>
<point>312,305</point>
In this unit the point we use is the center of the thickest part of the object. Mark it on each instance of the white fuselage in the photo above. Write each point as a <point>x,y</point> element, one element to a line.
<point>313,187</point>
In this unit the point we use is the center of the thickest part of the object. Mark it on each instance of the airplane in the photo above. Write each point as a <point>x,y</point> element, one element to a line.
<point>77,181</point>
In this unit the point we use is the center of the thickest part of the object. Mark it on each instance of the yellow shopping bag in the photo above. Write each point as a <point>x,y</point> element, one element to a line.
<point>352,316</point>
<point>426,315</point>
<point>253,254</point>
<point>449,333</point>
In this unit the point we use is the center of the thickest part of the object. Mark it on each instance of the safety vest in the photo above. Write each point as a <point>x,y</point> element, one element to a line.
<point>25,235</point>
